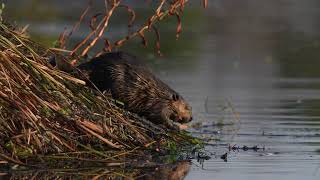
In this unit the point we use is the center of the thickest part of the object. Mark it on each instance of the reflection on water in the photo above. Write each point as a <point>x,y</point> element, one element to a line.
<point>254,59</point>
<point>174,171</point>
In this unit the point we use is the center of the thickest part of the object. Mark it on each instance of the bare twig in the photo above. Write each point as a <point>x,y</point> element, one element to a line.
<point>106,22</point>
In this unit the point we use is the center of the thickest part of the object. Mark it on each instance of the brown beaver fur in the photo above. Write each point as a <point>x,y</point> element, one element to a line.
<point>132,83</point>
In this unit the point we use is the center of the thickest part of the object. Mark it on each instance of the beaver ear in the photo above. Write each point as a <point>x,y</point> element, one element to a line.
<point>175,97</point>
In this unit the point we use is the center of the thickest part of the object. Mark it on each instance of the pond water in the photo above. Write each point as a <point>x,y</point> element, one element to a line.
<point>250,70</point>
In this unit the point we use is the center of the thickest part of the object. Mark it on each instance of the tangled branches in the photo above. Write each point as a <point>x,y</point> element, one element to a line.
<point>164,9</point>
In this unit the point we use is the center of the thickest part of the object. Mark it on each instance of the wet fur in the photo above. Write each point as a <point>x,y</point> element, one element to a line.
<point>134,84</point>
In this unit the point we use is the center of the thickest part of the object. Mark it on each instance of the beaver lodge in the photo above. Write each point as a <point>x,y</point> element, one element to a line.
<point>44,111</point>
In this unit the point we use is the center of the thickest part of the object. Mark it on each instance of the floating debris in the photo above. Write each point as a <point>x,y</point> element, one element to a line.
<point>245,148</point>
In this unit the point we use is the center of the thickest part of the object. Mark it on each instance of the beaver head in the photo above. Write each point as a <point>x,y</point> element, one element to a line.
<point>181,111</point>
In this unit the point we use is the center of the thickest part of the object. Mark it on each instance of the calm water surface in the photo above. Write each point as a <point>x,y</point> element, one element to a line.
<point>250,70</point>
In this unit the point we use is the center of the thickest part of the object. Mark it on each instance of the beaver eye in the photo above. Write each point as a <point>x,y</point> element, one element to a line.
<point>175,97</point>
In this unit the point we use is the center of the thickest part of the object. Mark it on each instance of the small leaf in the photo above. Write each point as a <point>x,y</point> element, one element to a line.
<point>179,27</point>
<point>133,14</point>
<point>205,3</point>
<point>120,42</point>
<point>157,40</point>
<point>93,20</point>
<point>182,2</point>
<point>144,41</point>
<point>107,45</point>
<point>149,22</point>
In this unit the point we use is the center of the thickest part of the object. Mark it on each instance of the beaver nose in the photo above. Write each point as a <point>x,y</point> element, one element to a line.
<point>186,120</point>
<point>190,119</point>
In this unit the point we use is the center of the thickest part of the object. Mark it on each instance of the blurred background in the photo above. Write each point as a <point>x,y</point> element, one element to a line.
<point>250,70</point>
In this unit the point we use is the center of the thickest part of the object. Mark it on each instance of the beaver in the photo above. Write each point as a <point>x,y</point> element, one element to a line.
<point>133,83</point>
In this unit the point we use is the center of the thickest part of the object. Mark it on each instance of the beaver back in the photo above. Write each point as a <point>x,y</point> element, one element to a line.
<point>131,82</point>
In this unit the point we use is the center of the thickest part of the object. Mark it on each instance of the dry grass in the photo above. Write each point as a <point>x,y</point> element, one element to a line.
<point>46,111</point>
